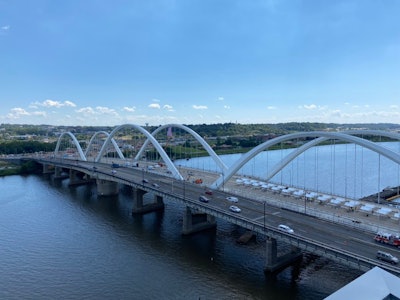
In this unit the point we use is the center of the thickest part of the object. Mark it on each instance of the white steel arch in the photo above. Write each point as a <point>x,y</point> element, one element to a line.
<point>120,154</point>
<point>291,156</point>
<point>157,145</point>
<point>76,143</point>
<point>320,135</point>
<point>205,145</point>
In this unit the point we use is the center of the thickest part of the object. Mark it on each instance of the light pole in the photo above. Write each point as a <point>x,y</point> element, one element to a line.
<point>264,215</point>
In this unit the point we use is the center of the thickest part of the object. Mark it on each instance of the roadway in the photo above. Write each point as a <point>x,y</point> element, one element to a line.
<point>339,236</point>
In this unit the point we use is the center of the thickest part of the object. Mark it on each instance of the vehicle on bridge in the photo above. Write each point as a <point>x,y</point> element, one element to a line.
<point>285,228</point>
<point>387,238</point>
<point>208,192</point>
<point>385,256</point>
<point>235,209</point>
<point>232,199</point>
<point>203,199</point>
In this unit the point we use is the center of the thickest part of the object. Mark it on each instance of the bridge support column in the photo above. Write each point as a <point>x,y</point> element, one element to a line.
<point>47,169</point>
<point>106,188</point>
<point>194,222</point>
<point>275,263</point>
<point>138,204</point>
<point>57,172</point>
<point>74,179</point>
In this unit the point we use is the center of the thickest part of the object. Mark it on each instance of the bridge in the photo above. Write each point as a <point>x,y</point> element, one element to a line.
<point>338,228</point>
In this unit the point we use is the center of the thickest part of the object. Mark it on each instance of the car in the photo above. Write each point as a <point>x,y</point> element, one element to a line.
<point>203,199</point>
<point>155,185</point>
<point>385,256</point>
<point>113,171</point>
<point>208,192</point>
<point>285,228</point>
<point>232,199</point>
<point>145,181</point>
<point>235,209</point>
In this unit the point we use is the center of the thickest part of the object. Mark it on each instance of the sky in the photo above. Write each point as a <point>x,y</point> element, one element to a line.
<point>156,62</point>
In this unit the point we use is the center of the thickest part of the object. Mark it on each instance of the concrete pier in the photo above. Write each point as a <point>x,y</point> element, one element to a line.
<point>139,207</point>
<point>275,263</point>
<point>106,188</point>
<point>194,222</point>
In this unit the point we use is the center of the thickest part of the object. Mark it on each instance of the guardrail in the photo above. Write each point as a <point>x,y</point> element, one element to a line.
<point>339,255</point>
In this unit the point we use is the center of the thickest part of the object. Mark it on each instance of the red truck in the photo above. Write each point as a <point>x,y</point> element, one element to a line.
<point>387,238</point>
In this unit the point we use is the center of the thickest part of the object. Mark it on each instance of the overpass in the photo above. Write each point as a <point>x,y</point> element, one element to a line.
<point>343,236</point>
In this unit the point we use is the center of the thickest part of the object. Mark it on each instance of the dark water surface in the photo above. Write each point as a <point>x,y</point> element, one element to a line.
<point>61,242</point>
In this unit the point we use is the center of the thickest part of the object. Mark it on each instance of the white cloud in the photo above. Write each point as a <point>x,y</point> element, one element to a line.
<point>106,110</point>
<point>227,107</point>
<point>221,98</point>
<point>17,112</point>
<point>310,107</point>
<point>154,106</point>
<point>39,113</point>
<point>53,103</point>
<point>86,110</point>
<point>168,107</point>
<point>271,107</point>
<point>129,109</point>
<point>5,27</point>
<point>69,103</point>
<point>200,107</point>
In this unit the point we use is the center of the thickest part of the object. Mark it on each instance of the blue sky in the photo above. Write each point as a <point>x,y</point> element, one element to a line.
<point>96,62</point>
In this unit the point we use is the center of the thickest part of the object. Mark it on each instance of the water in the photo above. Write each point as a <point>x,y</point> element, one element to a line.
<point>60,242</point>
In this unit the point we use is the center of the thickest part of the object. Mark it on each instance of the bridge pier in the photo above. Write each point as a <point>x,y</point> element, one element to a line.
<point>106,188</point>
<point>47,169</point>
<point>74,179</point>
<point>139,207</point>
<point>275,263</point>
<point>195,221</point>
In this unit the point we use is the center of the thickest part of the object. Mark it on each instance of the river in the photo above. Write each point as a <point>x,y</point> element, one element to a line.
<point>61,242</point>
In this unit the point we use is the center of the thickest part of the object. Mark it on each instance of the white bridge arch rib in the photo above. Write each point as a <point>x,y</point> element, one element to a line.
<point>320,136</point>
<point>92,139</point>
<point>76,143</point>
<point>160,150</point>
<point>290,157</point>
<point>205,145</point>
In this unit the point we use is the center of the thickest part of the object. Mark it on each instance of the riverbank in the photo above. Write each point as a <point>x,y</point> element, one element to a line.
<point>25,168</point>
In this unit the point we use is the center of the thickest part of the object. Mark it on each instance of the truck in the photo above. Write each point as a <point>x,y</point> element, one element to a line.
<point>388,239</point>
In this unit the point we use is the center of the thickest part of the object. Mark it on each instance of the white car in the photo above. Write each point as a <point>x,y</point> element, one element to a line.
<point>234,208</point>
<point>285,228</point>
<point>232,199</point>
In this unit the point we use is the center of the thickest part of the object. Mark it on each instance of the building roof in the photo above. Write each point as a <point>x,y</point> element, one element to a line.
<point>376,284</point>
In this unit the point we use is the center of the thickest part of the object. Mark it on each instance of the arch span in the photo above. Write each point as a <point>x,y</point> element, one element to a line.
<point>157,145</point>
<point>75,141</point>
<point>205,145</point>
<point>320,137</point>
<point>291,156</point>
<point>92,139</point>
